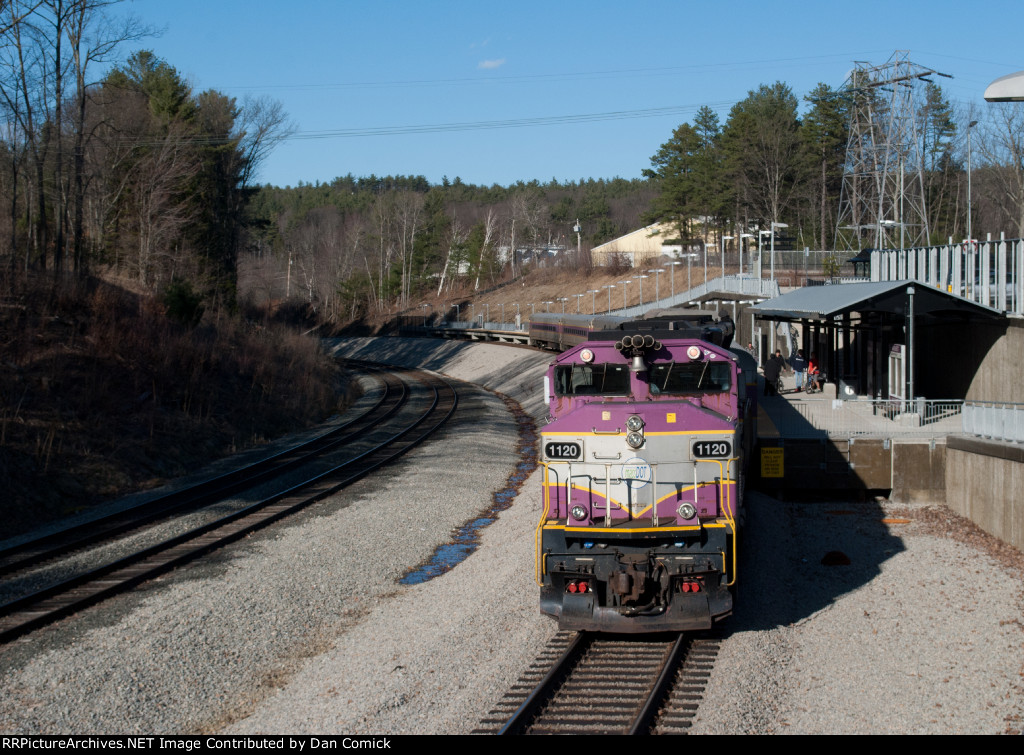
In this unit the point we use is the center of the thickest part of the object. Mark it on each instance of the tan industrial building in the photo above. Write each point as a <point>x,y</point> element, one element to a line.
<point>646,245</point>
<point>636,249</point>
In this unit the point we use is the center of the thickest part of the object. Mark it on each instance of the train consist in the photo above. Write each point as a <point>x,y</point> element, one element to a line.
<point>650,424</point>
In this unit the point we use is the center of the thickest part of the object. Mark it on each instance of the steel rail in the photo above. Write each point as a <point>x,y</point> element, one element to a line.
<point>34,552</point>
<point>601,685</point>
<point>43,606</point>
<point>547,686</point>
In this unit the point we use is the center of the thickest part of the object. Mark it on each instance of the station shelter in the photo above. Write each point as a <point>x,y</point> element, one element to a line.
<point>894,340</point>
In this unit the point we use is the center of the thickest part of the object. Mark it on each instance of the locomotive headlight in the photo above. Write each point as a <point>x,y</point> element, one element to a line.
<point>686,511</point>
<point>578,513</point>
<point>587,356</point>
<point>634,423</point>
<point>635,440</point>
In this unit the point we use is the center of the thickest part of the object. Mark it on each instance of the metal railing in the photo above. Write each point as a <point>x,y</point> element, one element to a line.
<point>730,284</point>
<point>990,273</point>
<point>995,420</point>
<point>815,418</point>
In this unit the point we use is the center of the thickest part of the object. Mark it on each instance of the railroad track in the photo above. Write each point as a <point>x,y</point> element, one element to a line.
<point>592,684</point>
<point>393,393</point>
<point>375,438</point>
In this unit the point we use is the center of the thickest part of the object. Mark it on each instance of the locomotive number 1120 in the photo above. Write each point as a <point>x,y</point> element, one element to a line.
<point>712,449</point>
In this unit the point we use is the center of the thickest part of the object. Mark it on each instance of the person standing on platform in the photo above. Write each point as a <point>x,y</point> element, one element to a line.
<point>772,371</point>
<point>799,365</point>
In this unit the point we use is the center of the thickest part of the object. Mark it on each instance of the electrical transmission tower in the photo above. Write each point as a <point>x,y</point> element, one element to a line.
<point>882,204</point>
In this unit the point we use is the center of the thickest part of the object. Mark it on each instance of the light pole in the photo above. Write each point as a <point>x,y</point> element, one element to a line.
<point>609,286</point>
<point>516,305</point>
<point>425,307</point>
<point>625,285</point>
<point>547,306</point>
<point>503,313</point>
<point>578,297</point>
<point>673,277</point>
<point>657,278</point>
<point>593,300</point>
<point>970,238</point>
<point>641,279</point>
<point>774,226</point>
<point>760,248</point>
<point>724,239</point>
<point>743,236</point>
<point>487,313</point>
<point>564,299</point>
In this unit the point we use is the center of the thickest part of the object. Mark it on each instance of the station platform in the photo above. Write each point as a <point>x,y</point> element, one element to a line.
<point>814,442</point>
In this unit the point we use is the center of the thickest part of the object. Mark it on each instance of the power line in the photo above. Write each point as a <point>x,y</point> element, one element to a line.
<point>552,77</point>
<point>428,128</point>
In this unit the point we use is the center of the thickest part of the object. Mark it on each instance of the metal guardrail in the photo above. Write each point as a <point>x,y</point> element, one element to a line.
<point>995,420</point>
<point>731,284</point>
<point>816,418</point>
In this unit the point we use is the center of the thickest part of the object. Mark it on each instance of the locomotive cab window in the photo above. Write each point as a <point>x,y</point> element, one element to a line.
<point>677,378</point>
<point>591,380</point>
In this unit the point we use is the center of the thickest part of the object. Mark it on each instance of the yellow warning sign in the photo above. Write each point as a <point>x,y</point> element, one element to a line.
<point>771,462</point>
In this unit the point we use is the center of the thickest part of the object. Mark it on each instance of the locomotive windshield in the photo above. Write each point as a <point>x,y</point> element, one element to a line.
<point>691,377</point>
<point>592,380</point>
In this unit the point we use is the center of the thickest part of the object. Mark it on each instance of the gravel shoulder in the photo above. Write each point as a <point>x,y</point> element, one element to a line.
<point>305,628</point>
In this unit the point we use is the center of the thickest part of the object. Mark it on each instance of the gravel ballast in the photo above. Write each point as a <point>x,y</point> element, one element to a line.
<point>304,628</point>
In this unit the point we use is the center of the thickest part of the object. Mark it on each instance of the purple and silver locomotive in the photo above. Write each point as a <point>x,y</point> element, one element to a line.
<point>643,476</point>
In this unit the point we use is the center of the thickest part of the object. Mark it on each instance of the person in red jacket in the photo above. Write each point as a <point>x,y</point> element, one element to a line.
<point>813,375</point>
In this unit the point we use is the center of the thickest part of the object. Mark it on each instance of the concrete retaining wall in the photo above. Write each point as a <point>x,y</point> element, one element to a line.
<point>985,483</point>
<point>914,470</point>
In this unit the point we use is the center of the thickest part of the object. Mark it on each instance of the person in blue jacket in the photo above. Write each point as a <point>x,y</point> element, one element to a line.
<point>799,365</point>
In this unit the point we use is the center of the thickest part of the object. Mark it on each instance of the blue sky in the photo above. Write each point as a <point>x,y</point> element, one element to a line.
<point>357,78</point>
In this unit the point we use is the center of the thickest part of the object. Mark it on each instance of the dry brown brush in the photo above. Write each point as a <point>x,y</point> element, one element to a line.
<point>102,393</point>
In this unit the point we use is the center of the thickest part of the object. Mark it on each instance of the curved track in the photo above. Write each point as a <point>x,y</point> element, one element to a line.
<point>412,407</point>
<point>593,684</point>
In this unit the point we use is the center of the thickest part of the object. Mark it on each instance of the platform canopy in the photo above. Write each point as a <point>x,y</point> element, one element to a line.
<point>825,303</point>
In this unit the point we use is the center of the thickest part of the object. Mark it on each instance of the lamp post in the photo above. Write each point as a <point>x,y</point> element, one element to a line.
<point>625,284</point>
<point>516,305</point>
<point>578,297</point>
<point>724,239</point>
<point>593,300</point>
<point>609,286</point>
<point>425,307</point>
<point>547,306</point>
<point>487,313</point>
<point>743,236</point>
<point>673,277</point>
<point>970,238</point>
<point>657,278</point>
<point>503,313</point>
<point>774,226</point>
<point>641,279</point>
<point>564,299</point>
<point>760,248</point>
<point>457,308</point>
